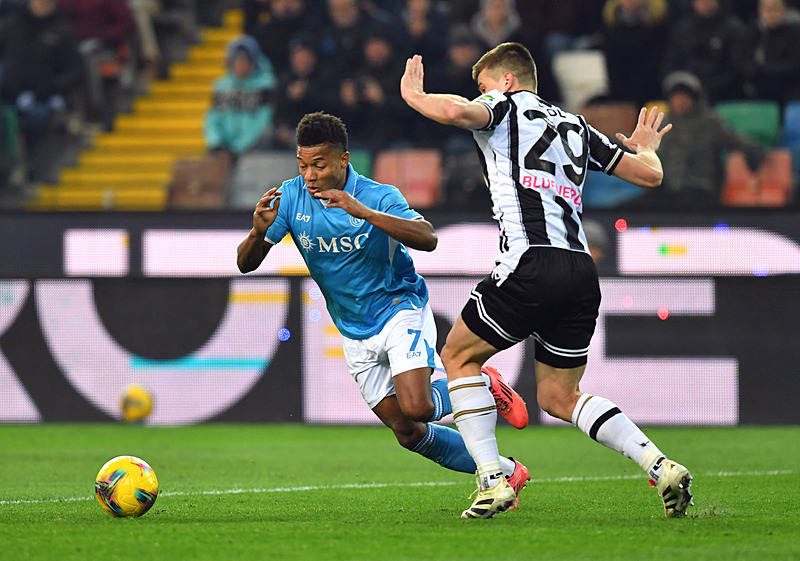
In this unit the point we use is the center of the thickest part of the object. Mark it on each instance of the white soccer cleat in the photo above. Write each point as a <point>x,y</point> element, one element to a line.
<point>674,486</point>
<point>490,501</point>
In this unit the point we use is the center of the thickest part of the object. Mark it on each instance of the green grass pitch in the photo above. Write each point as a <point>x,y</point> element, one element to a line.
<point>351,493</point>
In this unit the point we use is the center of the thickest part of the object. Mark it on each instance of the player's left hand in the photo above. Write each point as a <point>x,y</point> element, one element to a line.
<point>336,198</point>
<point>646,135</point>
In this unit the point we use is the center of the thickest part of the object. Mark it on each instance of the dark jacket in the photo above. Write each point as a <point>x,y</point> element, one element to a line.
<point>692,153</point>
<point>770,62</point>
<point>39,55</point>
<point>707,47</point>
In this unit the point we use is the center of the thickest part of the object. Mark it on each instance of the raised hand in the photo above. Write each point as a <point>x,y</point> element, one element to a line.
<point>412,80</point>
<point>266,212</point>
<point>646,135</point>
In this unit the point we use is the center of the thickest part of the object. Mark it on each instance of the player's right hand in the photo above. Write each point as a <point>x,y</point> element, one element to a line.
<point>266,210</point>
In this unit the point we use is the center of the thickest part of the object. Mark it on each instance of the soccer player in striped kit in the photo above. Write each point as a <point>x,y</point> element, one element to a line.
<point>535,157</point>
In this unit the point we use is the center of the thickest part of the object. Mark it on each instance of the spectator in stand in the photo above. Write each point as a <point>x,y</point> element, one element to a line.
<point>497,22</point>
<point>106,28</point>
<point>343,33</point>
<point>41,69</point>
<point>705,43</point>
<point>149,54</point>
<point>461,11</point>
<point>633,47</point>
<point>369,98</point>
<point>463,51</point>
<point>303,88</point>
<point>564,25</point>
<point>770,58</point>
<point>427,28</point>
<point>692,155</point>
<point>288,19</point>
<point>240,119</point>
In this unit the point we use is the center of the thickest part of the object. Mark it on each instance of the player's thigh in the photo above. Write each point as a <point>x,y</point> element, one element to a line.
<point>369,369</point>
<point>409,341</point>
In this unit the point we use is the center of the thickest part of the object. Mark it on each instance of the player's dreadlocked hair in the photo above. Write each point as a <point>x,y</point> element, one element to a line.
<point>320,128</point>
<point>509,57</point>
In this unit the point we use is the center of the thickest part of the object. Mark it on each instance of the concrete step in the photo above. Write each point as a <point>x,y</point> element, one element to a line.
<point>136,199</point>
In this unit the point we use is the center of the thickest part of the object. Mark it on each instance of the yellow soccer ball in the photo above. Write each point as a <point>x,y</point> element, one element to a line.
<point>126,486</point>
<point>136,403</point>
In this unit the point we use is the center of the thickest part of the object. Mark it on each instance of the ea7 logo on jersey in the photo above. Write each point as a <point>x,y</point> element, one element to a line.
<point>302,217</point>
<point>343,244</point>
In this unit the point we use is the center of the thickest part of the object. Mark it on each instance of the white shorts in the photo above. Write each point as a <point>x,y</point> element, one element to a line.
<point>407,342</point>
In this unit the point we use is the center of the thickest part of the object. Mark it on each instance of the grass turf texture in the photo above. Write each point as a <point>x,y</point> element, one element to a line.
<point>585,501</point>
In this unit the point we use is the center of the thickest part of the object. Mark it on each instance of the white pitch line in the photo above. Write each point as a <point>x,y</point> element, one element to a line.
<point>383,485</point>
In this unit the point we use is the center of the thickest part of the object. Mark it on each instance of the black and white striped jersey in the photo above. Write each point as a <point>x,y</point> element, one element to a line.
<point>535,157</point>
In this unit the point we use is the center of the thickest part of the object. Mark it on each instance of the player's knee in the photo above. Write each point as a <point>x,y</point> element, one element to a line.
<point>418,409</point>
<point>555,405</point>
<point>449,358</point>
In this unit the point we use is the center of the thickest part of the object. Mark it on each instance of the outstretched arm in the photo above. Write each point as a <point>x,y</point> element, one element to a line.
<point>447,109</point>
<point>254,248</point>
<point>416,234</point>
<point>643,168</point>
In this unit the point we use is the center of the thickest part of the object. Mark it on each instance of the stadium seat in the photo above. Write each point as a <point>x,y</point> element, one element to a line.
<point>771,185</point>
<point>581,76</point>
<point>607,191</point>
<point>741,184</point>
<point>417,173</point>
<point>611,117</point>
<point>258,172</point>
<point>775,178</point>
<point>361,161</point>
<point>199,183</point>
<point>760,120</point>
<point>791,132</point>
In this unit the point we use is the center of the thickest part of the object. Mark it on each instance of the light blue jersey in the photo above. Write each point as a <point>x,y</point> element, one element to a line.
<point>365,275</point>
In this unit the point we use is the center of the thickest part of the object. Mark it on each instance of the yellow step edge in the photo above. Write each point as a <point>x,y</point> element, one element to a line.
<point>95,158</point>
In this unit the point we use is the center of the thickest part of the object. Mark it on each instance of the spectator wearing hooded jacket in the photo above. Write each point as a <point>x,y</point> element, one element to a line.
<point>692,154</point>
<point>240,118</point>
<point>105,28</point>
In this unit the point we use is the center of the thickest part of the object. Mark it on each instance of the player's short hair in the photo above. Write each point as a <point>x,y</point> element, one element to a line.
<point>509,57</point>
<point>319,128</point>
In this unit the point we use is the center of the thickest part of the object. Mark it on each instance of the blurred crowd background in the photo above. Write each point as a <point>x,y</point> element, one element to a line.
<point>77,77</point>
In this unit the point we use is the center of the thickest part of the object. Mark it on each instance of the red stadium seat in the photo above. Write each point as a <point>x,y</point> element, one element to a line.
<point>741,184</point>
<point>775,178</point>
<point>417,173</point>
<point>771,185</point>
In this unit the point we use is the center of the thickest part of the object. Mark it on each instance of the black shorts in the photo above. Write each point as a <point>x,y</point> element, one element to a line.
<point>553,295</point>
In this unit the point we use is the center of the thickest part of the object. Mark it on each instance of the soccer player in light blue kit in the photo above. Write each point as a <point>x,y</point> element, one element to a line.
<point>353,233</point>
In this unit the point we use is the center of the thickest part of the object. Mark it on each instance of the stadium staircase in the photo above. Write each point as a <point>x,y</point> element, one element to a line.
<point>130,168</point>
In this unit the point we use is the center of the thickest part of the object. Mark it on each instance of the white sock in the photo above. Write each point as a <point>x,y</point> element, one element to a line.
<point>508,465</point>
<point>475,414</point>
<point>604,422</point>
